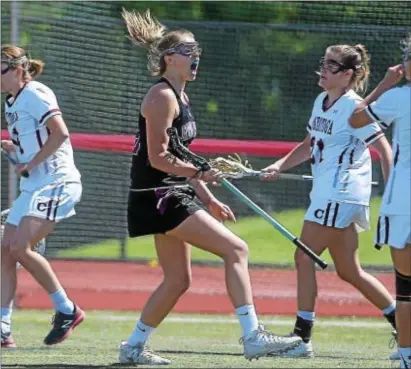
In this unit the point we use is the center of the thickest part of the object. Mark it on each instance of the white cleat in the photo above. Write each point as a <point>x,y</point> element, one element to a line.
<point>395,356</point>
<point>303,350</point>
<point>140,354</point>
<point>261,343</point>
<point>393,343</point>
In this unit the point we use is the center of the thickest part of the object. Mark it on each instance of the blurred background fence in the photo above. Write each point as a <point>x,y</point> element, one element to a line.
<point>256,82</point>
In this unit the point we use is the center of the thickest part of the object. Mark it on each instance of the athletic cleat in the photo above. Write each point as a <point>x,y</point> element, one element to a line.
<point>63,325</point>
<point>261,343</point>
<point>140,354</point>
<point>393,342</point>
<point>301,351</point>
<point>7,340</point>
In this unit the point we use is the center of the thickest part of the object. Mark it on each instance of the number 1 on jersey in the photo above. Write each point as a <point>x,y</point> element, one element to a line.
<point>320,145</point>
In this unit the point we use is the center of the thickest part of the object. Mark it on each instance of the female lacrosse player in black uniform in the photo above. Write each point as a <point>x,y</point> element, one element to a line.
<point>171,214</point>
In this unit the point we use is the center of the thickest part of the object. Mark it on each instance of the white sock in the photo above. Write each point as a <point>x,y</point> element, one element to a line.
<point>248,318</point>
<point>140,334</point>
<point>389,309</point>
<point>6,319</point>
<point>61,302</point>
<point>405,353</point>
<point>6,314</point>
<point>306,315</point>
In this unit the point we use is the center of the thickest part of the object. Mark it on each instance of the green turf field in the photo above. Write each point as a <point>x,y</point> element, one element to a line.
<point>194,341</point>
<point>266,244</point>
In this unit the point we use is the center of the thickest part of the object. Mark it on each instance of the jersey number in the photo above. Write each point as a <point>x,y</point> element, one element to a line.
<point>320,145</point>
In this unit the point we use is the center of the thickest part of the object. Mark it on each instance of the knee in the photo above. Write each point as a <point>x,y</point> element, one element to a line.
<point>402,287</point>
<point>7,259</point>
<point>350,276</point>
<point>179,283</point>
<point>18,250</point>
<point>302,260</point>
<point>237,252</point>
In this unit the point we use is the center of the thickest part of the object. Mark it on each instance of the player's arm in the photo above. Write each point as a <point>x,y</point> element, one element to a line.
<point>364,113</point>
<point>385,152</point>
<point>58,134</point>
<point>296,156</point>
<point>7,145</point>
<point>159,109</point>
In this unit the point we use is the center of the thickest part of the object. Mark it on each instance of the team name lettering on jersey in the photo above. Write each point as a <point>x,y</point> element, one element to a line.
<point>323,125</point>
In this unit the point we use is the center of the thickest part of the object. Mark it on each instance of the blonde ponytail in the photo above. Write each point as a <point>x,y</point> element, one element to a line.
<point>35,67</point>
<point>362,74</point>
<point>144,30</point>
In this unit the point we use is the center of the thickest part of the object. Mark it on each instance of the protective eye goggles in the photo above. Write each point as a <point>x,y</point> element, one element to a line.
<point>335,66</point>
<point>332,65</point>
<point>11,64</point>
<point>190,49</point>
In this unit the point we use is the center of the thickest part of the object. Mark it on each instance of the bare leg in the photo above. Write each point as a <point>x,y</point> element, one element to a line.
<point>344,252</point>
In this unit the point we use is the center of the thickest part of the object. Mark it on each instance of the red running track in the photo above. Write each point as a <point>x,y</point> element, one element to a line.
<point>127,286</point>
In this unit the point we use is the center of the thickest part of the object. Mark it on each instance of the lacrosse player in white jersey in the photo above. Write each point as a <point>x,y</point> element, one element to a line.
<point>391,106</point>
<point>341,167</point>
<point>50,187</point>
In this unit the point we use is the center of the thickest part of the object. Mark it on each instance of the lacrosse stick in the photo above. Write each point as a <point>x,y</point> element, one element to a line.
<point>14,162</point>
<point>203,165</point>
<point>234,168</point>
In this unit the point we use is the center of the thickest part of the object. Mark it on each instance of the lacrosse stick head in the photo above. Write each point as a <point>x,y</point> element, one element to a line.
<point>232,167</point>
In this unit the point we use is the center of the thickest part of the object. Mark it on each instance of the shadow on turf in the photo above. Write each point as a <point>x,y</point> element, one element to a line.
<point>66,366</point>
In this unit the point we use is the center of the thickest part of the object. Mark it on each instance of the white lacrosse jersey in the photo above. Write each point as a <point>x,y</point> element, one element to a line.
<point>26,115</point>
<point>393,107</point>
<point>340,159</point>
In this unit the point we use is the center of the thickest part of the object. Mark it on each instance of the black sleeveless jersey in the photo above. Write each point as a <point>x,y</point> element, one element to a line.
<point>142,174</point>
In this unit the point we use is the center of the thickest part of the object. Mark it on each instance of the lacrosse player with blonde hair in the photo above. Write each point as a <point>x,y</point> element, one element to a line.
<point>391,106</point>
<point>341,169</point>
<point>50,187</point>
<point>171,214</point>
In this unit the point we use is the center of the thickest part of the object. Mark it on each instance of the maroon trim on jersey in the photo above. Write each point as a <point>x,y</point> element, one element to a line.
<point>50,203</point>
<point>47,114</point>
<point>340,159</point>
<point>38,135</point>
<point>337,205</point>
<point>387,230</point>
<point>379,230</point>
<point>397,154</point>
<point>57,202</point>
<point>375,116</point>
<point>327,213</point>
<point>323,103</point>
<point>352,156</point>
<point>9,96</point>
<point>373,137</point>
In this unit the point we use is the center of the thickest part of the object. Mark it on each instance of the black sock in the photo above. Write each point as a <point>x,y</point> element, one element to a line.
<point>303,329</point>
<point>391,318</point>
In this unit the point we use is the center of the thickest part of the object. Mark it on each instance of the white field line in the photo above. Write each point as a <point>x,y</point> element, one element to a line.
<point>274,322</point>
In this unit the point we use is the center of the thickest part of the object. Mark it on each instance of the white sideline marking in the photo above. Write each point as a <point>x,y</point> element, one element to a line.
<point>282,322</point>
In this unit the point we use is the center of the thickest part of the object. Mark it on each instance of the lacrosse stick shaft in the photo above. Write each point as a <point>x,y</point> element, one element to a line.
<point>274,223</point>
<point>304,177</point>
<point>158,188</point>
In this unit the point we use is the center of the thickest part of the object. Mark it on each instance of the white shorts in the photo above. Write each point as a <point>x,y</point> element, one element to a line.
<point>393,230</point>
<point>338,214</point>
<point>53,202</point>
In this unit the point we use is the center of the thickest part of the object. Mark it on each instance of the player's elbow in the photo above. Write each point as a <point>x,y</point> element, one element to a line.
<point>353,121</point>
<point>156,159</point>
